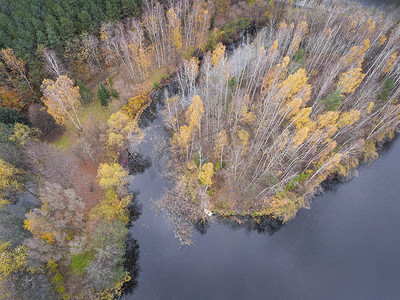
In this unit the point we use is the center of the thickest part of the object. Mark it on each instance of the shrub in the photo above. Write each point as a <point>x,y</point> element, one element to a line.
<point>156,85</point>
<point>86,94</point>
<point>211,42</point>
<point>299,56</point>
<point>231,29</point>
<point>80,262</point>
<point>42,120</point>
<point>11,116</point>
<point>387,88</point>
<point>114,93</point>
<point>332,101</point>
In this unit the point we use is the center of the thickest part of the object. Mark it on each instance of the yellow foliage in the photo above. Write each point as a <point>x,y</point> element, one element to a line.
<point>22,134</point>
<point>134,105</point>
<point>300,136</point>
<point>275,73</point>
<point>111,175</point>
<point>39,228</point>
<point>10,99</point>
<point>293,84</point>
<point>175,29</point>
<point>382,39</point>
<point>284,205</point>
<point>302,117</point>
<point>141,58</point>
<point>347,165</point>
<point>61,99</point>
<point>390,62</point>
<point>292,108</point>
<point>195,113</point>
<point>243,137</point>
<point>184,137</point>
<point>356,54</point>
<point>120,127</point>
<point>8,181</point>
<point>370,26</point>
<point>370,152</point>
<point>274,46</point>
<point>113,207</point>
<point>348,118</point>
<point>327,119</point>
<point>370,106</point>
<point>218,54</point>
<point>206,173</point>
<point>12,262</point>
<point>301,30</point>
<point>282,25</point>
<point>349,81</point>
<point>15,64</point>
<point>248,116</point>
<point>220,142</point>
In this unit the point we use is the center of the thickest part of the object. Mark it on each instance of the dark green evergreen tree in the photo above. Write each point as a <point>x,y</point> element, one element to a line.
<point>103,94</point>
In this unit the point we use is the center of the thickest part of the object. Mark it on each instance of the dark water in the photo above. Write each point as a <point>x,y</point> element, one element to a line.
<point>346,247</point>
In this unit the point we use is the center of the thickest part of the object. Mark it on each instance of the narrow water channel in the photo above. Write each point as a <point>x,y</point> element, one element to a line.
<point>346,247</point>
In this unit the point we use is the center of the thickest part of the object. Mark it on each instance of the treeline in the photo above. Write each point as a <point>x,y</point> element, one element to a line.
<point>315,93</point>
<point>156,37</point>
<point>24,25</point>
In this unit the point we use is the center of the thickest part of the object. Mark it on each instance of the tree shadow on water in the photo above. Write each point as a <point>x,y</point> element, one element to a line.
<point>137,163</point>
<point>134,209</point>
<point>262,225</point>
<point>131,264</point>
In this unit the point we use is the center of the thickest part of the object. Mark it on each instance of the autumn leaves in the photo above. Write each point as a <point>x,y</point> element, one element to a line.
<point>61,98</point>
<point>301,102</point>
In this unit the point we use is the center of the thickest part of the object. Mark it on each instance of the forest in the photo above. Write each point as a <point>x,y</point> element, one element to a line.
<point>310,93</point>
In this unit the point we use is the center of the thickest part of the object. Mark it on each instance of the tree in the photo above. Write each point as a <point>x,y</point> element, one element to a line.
<point>52,63</point>
<point>195,113</point>
<point>205,174</point>
<point>218,54</point>
<point>58,223</point>
<point>175,29</point>
<point>120,128</point>
<point>11,116</point>
<point>111,176</point>
<point>220,143</point>
<point>13,261</point>
<point>62,100</point>
<point>9,181</point>
<point>349,81</point>
<point>332,101</point>
<point>108,239</point>
<point>15,64</point>
<point>103,94</point>
<point>42,120</point>
<point>24,134</point>
<point>86,94</point>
